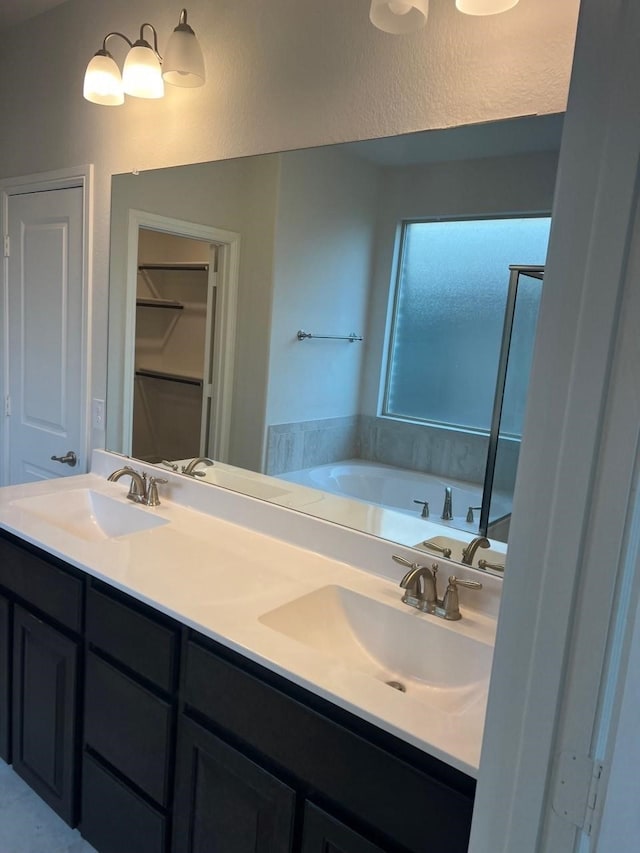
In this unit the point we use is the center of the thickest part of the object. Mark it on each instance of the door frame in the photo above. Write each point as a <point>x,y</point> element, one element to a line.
<point>222,359</point>
<point>572,585</point>
<point>69,178</point>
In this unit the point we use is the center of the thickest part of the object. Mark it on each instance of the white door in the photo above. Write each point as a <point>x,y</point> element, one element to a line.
<point>43,410</point>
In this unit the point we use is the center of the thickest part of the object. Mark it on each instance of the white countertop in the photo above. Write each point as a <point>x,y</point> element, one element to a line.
<point>220,577</point>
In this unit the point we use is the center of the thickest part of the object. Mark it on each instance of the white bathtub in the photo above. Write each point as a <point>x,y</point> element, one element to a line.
<point>394,488</point>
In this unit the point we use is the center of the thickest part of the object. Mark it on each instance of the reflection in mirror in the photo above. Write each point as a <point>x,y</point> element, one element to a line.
<point>514,370</point>
<point>388,434</point>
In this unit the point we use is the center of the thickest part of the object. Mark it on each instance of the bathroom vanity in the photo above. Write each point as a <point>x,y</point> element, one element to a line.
<point>158,689</point>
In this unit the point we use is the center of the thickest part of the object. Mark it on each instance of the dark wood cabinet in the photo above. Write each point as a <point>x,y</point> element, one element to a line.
<point>5,675</point>
<point>128,726</point>
<point>45,585</point>
<point>162,740</point>
<point>45,711</point>
<point>225,801</point>
<point>116,819</point>
<point>322,833</point>
<point>134,636</point>
<point>130,710</point>
<point>377,781</point>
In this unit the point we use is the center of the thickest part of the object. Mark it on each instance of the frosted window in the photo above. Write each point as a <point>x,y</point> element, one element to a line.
<point>448,317</point>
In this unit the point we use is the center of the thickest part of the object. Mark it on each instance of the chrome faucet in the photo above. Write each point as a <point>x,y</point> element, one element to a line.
<point>138,485</point>
<point>141,490</point>
<point>468,553</point>
<point>420,587</point>
<point>190,467</point>
<point>447,509</point>
<point>419,584</point>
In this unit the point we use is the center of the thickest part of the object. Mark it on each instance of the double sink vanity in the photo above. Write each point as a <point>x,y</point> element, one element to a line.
<point>221,673</point>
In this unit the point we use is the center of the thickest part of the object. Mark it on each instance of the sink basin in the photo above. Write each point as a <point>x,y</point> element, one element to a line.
<point>90,515</point>
<point>433,663</point>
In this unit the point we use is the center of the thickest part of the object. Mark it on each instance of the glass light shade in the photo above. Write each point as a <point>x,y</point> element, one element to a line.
<point>102,81</point>
<point>142,75</point>
<point>399,16</point>
<point>183,63</point>
<point>484,7</point>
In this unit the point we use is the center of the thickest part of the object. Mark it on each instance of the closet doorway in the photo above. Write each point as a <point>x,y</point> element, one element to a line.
<point>175,322</point>
<point>182,286</point>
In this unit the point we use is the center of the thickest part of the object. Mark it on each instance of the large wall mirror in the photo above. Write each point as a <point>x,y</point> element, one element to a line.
<point>328,324</point>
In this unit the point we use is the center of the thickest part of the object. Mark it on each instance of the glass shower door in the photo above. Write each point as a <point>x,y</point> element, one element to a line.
<point>516,355</point>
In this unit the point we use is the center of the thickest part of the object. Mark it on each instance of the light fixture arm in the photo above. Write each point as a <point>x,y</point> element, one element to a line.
<point>143,42</point>
<point>183,26</point>
<point>110,35</point>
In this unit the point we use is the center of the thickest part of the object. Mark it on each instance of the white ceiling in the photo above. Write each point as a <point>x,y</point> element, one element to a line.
<point>15,11</point>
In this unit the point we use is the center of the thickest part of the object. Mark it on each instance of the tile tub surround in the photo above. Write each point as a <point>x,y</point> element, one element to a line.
<point>416,447</point>
<point>189,569</point>
<point>305,444</point>
<point>28,825</point>
<point>423,447</point>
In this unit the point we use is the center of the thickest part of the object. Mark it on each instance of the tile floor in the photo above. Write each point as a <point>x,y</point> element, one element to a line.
<point>27,824</point>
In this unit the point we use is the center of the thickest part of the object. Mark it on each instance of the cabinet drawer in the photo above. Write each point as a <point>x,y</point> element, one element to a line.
<point>128,726</point>
<point>369,782</point>
<point>115,819</point>
<point>141,643</point>
<point>52,590</point>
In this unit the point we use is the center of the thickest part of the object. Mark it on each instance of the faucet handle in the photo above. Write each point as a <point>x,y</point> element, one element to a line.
<point>446,552</point>
<point>450,602</point>
<point>152,498</point>
<point>485,564</point>
<point>470,518</point>
<point>425,508</point>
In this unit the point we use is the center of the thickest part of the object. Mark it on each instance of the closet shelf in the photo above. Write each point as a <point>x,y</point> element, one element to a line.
<point>153,302</point>
<point>195,267</point>
<point>169,377</point>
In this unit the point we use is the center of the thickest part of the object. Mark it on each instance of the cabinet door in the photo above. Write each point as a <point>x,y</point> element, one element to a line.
<point>226,802</point>
<point>324,834</point>
<point>4,680</point>
<point>44,711</point>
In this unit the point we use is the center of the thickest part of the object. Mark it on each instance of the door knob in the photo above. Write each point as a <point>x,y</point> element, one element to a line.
<point>69,458</point>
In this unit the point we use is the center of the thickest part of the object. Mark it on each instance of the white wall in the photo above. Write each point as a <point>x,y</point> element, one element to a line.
<point>281,74</point>
<point>324,246</point>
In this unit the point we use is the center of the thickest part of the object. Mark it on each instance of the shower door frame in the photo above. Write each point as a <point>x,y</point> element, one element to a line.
<point>515,271</point>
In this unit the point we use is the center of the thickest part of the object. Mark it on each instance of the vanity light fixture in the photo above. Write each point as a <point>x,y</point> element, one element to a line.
<point>183,60</point>
<point>399,16</point>
<point>145,72</point>
<point>407,16</point>
<point>484,7</point>
<point>142,73</point>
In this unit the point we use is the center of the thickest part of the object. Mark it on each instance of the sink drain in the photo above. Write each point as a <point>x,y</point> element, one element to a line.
<point>397,685</point>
